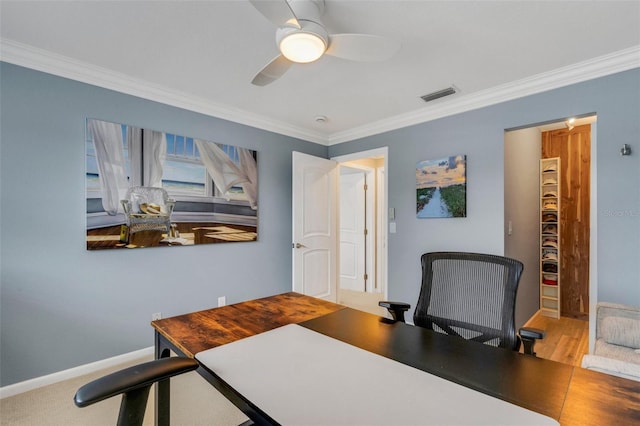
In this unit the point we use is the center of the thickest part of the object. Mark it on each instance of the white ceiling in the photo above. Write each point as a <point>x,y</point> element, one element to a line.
<point>202,55</point>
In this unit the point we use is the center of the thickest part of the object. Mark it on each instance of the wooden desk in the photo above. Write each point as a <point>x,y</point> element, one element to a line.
<point>188,334</point>
<point>301,377</point>
<point>572,395</point>
<point>195,332</point>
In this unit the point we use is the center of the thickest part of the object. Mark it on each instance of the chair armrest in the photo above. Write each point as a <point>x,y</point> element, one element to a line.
<point>126,206</point>
<point>396,309</point>
<point>170,205</point>
<point>532,333</point>
<point>132,378</point>
<point>529,336</point>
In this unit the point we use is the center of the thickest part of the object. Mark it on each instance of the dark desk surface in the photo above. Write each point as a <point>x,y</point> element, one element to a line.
<point>529,382</point>
<point>572,395</point>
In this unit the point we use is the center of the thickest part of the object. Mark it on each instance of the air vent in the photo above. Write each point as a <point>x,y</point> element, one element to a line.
<point>439,94</point>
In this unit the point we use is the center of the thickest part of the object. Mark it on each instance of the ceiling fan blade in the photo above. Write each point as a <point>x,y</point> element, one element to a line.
<point>277,11</point>
<point>362,47</point>
<point>273,71</point>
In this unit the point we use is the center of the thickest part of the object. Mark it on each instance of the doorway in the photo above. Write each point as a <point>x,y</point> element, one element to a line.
<point>362,233</point>
<point>573,141</point>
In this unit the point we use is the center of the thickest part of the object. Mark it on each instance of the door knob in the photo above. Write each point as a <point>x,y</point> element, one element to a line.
<point>298,245</point>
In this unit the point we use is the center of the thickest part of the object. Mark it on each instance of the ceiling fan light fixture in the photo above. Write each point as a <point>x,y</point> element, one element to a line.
<point>302,47</point>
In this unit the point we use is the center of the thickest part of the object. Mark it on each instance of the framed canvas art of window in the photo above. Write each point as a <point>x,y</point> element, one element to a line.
<point>148,188</point>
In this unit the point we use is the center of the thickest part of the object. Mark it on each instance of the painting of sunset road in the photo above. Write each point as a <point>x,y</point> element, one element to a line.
<point>441,187</point>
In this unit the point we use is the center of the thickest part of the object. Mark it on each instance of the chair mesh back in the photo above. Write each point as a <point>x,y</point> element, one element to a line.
<point>470,295</point>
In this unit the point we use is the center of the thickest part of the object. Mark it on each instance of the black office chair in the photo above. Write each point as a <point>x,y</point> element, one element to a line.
<point>134,383</point>
<point>470,295</point>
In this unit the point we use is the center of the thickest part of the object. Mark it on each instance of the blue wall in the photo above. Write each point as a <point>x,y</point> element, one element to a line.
<point>480,135</point>
<point>63,306</point>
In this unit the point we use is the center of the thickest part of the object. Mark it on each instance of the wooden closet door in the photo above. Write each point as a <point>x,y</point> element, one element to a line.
<point>574,149</point>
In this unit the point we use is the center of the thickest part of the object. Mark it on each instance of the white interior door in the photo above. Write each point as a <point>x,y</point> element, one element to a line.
<point>352,229</point>
<point>314,212</point>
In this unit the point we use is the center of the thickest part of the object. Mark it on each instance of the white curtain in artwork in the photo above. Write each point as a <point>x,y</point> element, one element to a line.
<point>250,169</point>
<point>107,139</point>
<point>226,173</point>
<point>134,145</point>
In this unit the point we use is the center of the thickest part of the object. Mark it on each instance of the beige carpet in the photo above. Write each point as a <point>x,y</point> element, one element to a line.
<point>193,402</point>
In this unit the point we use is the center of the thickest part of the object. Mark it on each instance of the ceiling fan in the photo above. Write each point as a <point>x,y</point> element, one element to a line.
<point>302,38</point>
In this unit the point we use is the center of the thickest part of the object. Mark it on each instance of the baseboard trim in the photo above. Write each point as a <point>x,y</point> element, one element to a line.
<point>38,382</point>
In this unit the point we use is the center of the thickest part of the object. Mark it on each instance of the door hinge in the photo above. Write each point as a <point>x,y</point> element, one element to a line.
<point>366,231</point>
<point>366,277</point>
<point>366,186</point>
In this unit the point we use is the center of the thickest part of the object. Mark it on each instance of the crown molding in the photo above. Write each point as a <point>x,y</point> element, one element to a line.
<point>619,61</point>
<point>42,60</point>
<point>51,63</point>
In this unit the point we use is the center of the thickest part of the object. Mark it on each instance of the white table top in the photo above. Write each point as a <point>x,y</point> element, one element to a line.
<point>301,377</point>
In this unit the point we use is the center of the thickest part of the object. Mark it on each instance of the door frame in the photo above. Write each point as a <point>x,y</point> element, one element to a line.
<point>381,213</point>
<point>593,217</point>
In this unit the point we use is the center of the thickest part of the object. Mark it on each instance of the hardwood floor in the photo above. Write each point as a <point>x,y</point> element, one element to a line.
<point>190,233</point>
<point>566,339</point>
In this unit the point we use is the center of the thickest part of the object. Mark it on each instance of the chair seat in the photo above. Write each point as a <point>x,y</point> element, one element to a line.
<point>146,223</point>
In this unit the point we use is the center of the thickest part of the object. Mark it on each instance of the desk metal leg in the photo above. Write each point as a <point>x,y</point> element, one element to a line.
<point>163,349</point>
<point>257,417</point>
<point>163,387</point>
